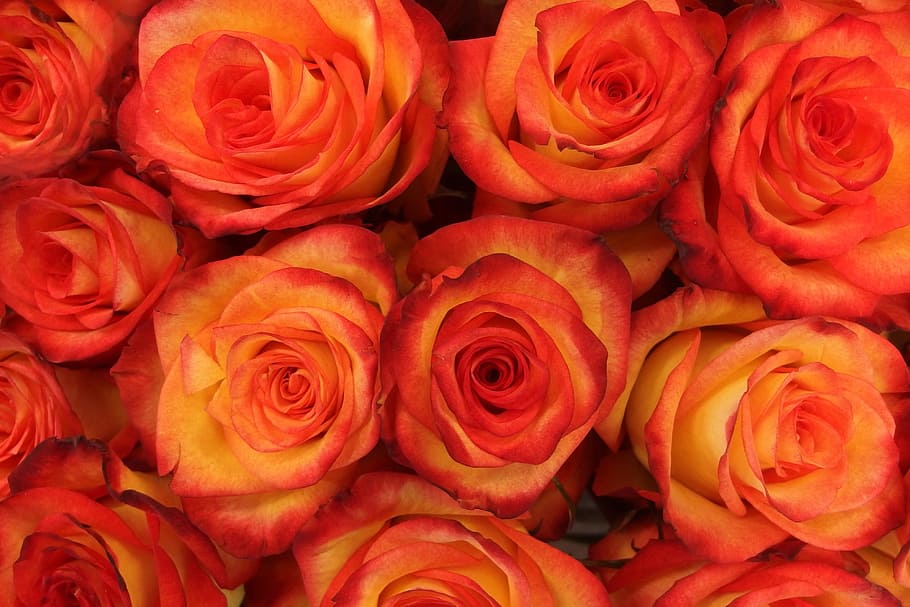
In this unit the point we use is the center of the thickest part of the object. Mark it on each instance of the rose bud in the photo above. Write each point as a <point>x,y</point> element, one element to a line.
<point>763,429</point>
<point>809,150</point>
<point>268,371</point>
<point>283,118</point>
<point>496,366</point>
<point>56,57</point>
<point>91,261</point>
<point>80,528</point>
<point>664,573</point>
<point>585,111</point>
<point>395,539</point>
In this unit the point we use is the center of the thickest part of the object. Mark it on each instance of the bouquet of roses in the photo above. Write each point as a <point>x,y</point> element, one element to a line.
<point>359,302</point>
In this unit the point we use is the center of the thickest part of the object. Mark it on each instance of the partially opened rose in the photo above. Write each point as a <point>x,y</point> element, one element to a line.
<point>284,117</point>
<point>587,110</point>
<point>498,364</point>
<point>80,528</point>
<point>810,148</point>
<point>395,539</point>
<point>664,573</point>
<point>91,259</point>
<point>54,61</point>
<point>269,371</point>
<point>33,406</point>
<point>764,429</point>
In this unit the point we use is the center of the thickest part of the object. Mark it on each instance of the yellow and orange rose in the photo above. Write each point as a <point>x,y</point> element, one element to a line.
<point>665,573</point>
<point>806,191</point>
<point>758,430</point>
<point>267,382</point>
<point>92,257</point>
<point>395,539</point>
<point>80,526</point>
<point>500,361</point>
<point>56,58</point>
<point>585,111</point>
<point>283,117</point>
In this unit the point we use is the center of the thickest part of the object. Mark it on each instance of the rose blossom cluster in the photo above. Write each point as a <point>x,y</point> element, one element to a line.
<point>362,302</point>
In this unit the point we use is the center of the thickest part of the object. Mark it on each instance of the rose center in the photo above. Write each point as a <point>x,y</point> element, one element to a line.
<point>14,93</point>
<point>831,123</point>
<point>284,393</point>
<point>492,371</point>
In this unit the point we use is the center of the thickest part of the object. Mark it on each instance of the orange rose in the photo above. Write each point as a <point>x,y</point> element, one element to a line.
<point>395,539</point>
<point>285,117</point>
<point>501,360</point>
<point>889,557</point>
<point>92,258</point>
<point>764,429</point>
<point>40,401</point>
<point>33,406</point>
<point>591,107</point>
<point>810,148</point>
<point>55,60</point>
<point>664,573</point>
<point>269,371</point>
<point>81,528</point>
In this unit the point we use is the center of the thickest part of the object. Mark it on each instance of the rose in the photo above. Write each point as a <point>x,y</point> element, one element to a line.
<point>397,539</point>
<point>283,118</point>
<point>500,361</point>
<point>81,528</point>
<point>268,382</point>
<point>55,60</point>
<point>40,401</point>
<point>594,107</point>
<point>664,573</point>
<point>889,557</point>
<point>809,148</point>
<point>33,406</point>
<point>91,261</point>
<point>764,429</point>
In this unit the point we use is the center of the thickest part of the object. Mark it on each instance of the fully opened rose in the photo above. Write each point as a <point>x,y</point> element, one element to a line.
<point>591,106</point>
<point>758,430</point>
<point>284,117</point>
<point>810,149</point>
<point>269,382</point>
<point>501,360</point>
